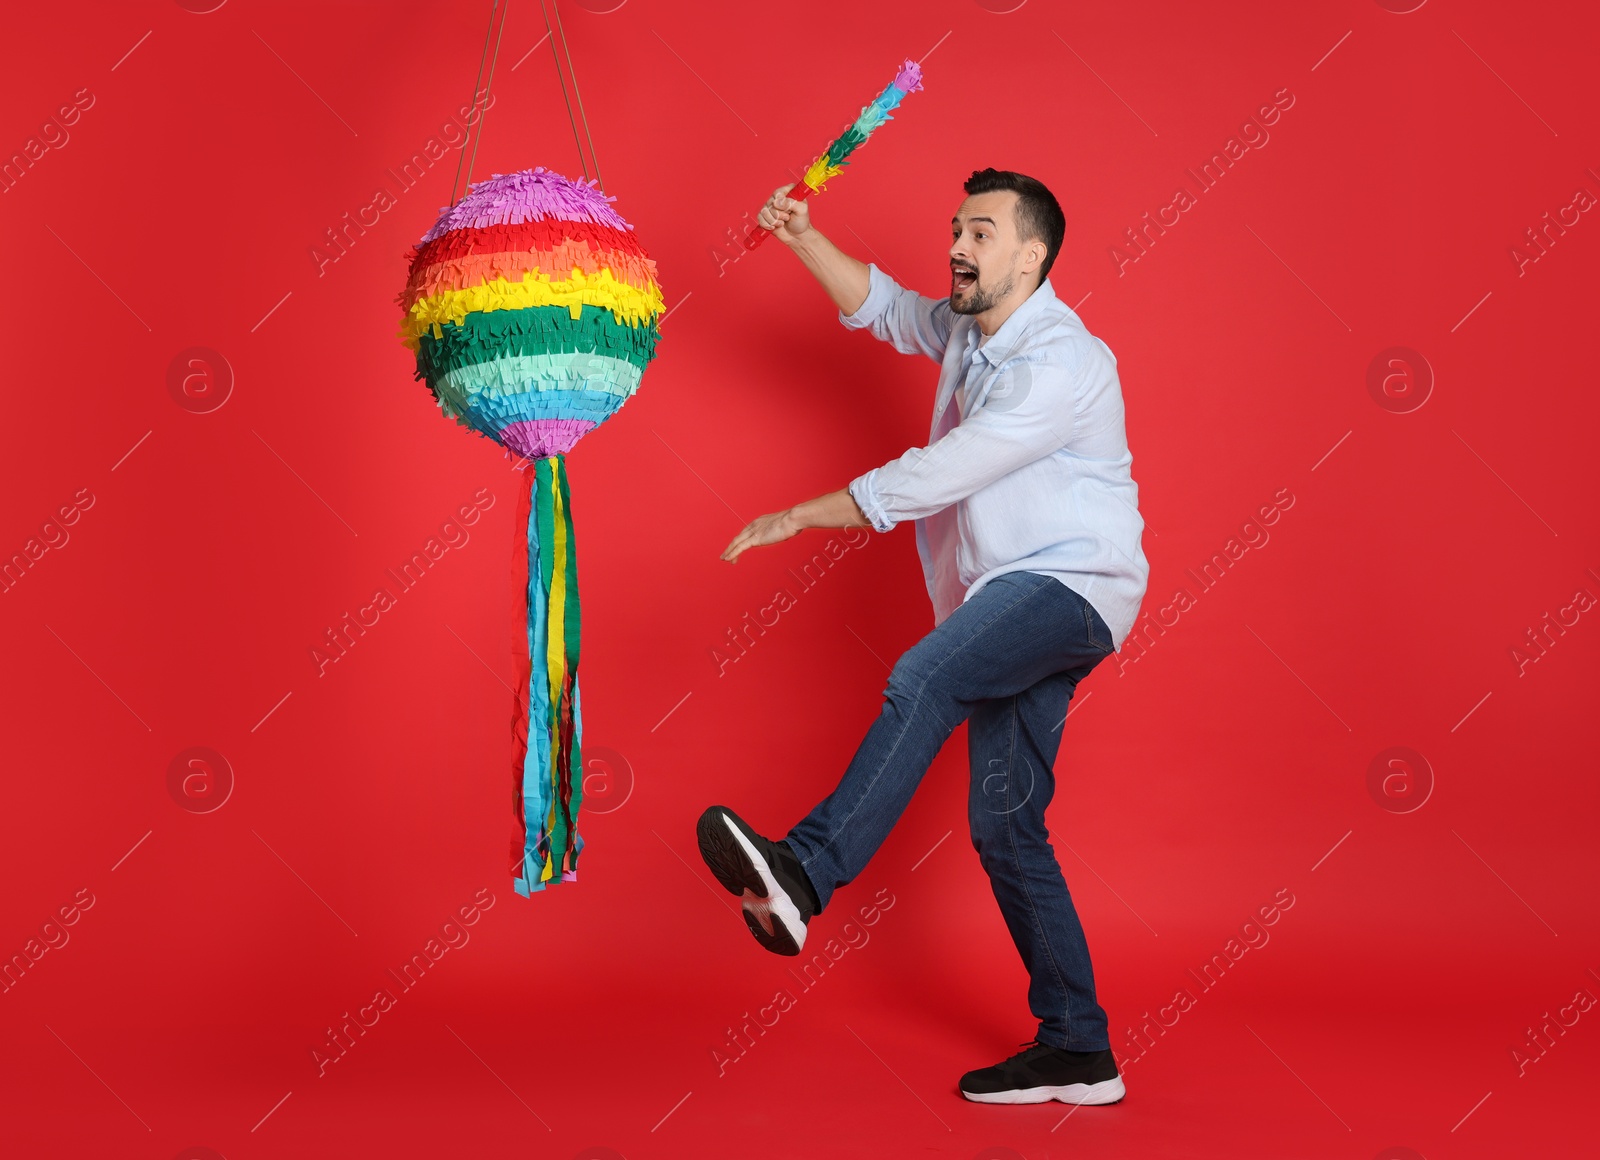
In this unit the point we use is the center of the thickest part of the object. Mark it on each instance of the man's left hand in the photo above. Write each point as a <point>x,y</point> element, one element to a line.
<point>767,529</point>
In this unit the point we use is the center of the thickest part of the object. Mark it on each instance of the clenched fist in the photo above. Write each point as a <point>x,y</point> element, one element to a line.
<point>784,216</point>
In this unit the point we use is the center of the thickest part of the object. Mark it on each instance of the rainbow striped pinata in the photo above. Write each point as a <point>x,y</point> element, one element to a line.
<point>533,313</point>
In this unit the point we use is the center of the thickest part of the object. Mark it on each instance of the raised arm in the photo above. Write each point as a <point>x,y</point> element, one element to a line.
<point>865,295</point>
<point>843,277</point>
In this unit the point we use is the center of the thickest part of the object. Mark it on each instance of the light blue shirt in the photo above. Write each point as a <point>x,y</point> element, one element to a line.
<point>1028,471</point>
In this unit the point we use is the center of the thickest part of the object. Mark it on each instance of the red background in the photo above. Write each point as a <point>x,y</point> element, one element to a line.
<point>1227,763</point>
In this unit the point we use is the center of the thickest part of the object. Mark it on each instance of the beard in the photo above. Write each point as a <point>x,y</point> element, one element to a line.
<point>978,298</point>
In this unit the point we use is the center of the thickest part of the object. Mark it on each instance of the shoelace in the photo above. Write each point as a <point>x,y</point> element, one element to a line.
<point>1031,1048</point>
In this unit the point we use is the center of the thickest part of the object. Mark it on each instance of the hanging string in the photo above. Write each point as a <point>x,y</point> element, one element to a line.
<point>483,117</point>
<point>501,9</point>
<point>578,93</point>
<point>583,164</point>
<point>484,55</point>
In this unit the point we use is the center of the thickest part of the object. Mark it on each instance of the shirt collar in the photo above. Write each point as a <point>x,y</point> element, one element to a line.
<point>1003,341</point>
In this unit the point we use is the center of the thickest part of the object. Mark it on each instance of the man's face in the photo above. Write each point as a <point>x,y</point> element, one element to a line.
<point>986,254</point>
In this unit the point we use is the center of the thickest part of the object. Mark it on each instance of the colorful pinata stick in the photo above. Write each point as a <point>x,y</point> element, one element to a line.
<point>831,162</point>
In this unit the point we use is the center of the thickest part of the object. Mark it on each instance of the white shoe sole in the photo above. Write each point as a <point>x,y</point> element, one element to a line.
<point>1107,1091</point>
<point>777,906</point>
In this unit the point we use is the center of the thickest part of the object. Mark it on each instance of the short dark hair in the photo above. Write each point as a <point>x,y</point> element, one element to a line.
<point>1039,216</point>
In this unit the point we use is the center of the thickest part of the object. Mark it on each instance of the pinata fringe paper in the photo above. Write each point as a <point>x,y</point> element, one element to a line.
<point>533,312</point>
<point>548,719</point>
<point>469,257</point>
<point>628,304</point>
<point>528,195</point>
<point>832,161</point>
<point>536,330</point>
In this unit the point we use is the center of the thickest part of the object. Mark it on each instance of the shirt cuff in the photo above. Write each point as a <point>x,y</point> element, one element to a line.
<point>880,292</point>
<point>865,494</point>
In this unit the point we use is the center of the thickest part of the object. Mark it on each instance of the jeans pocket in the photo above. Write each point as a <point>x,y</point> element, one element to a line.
<point>1094,628</point>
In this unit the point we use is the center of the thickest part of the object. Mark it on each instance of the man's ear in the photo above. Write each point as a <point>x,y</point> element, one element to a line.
<point>1034,255</point>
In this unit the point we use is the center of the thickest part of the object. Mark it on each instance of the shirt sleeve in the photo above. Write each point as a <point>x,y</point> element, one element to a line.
<point>1030,412</point>
<point>914,323</point>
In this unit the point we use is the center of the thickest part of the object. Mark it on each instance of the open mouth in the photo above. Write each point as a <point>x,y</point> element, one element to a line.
<point>961,279</point>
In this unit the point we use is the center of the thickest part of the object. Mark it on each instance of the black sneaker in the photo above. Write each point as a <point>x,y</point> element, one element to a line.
<point>778,899</point>
<point>1043,1073</point>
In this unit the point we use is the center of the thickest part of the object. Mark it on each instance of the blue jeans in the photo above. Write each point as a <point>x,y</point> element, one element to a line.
<point>1006,662</point>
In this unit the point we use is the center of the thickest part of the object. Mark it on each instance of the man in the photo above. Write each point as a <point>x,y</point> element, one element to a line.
<point>1028,528</point>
